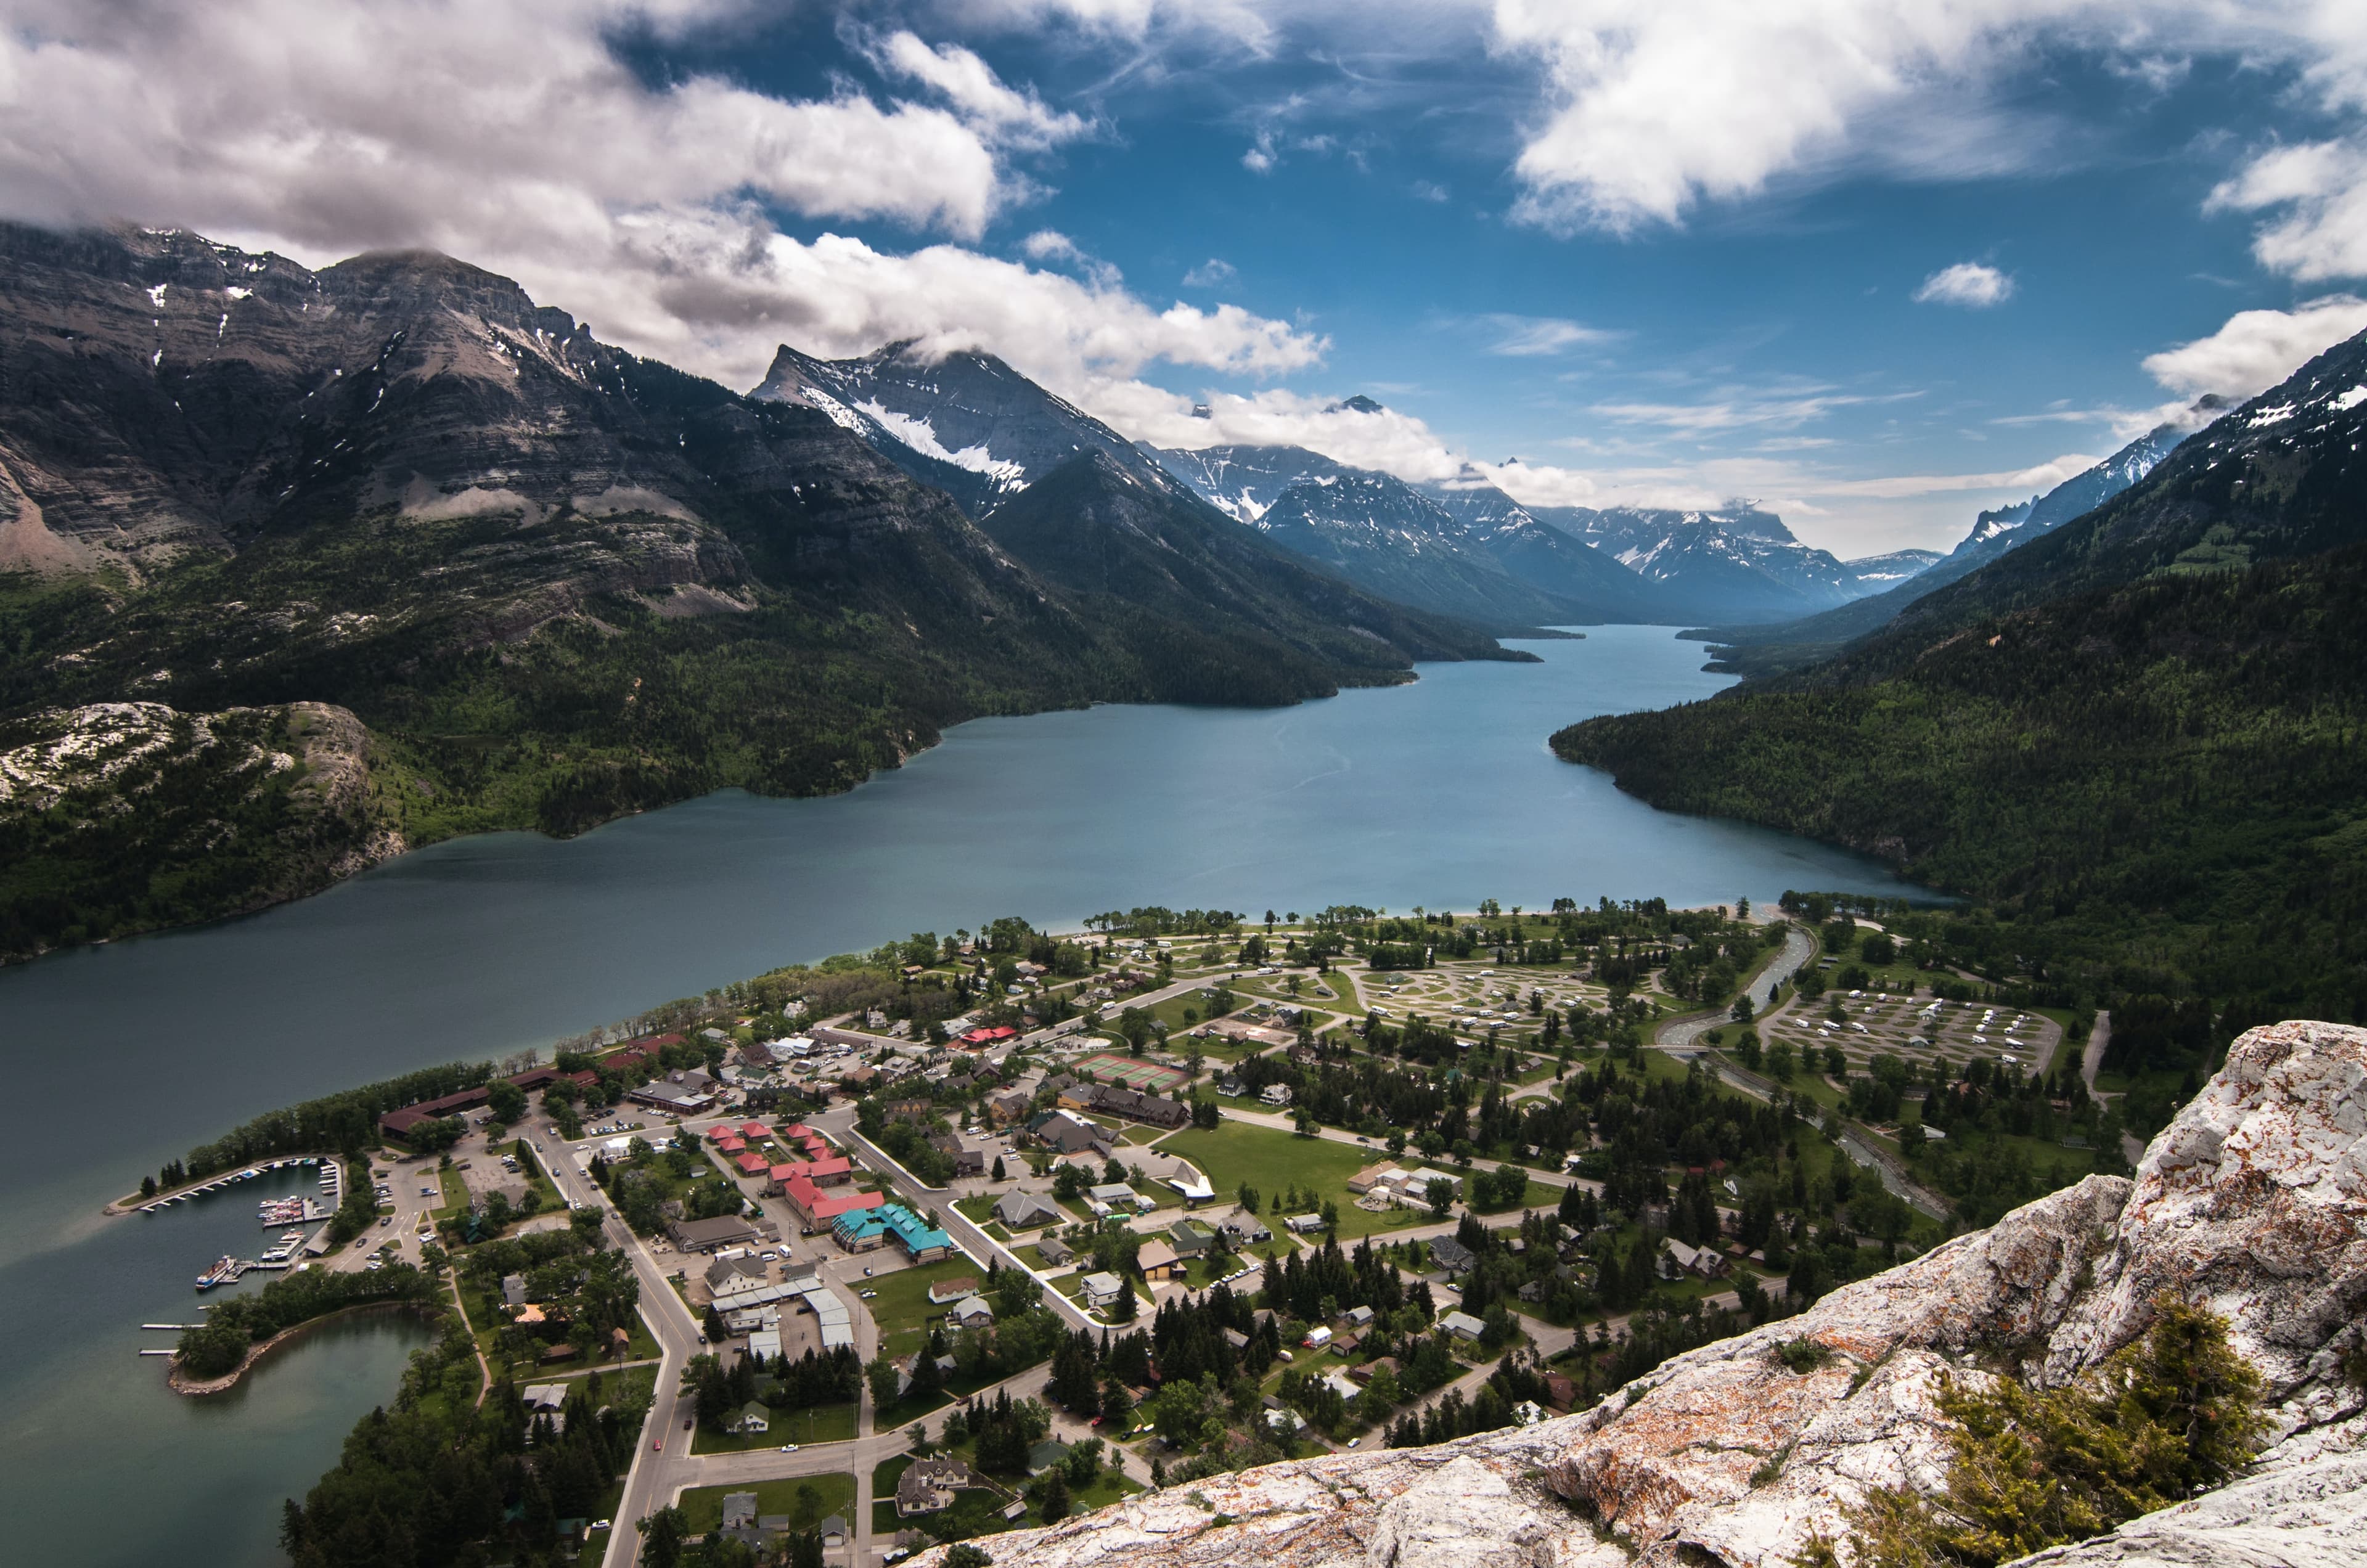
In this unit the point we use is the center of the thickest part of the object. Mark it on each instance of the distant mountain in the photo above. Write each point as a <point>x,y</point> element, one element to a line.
<point>1765,648</point>
<point>335,562</point>
<point>1190,589</point>
<point>966,422</point>
<point>1737,563</point>
<point>1491,564</point>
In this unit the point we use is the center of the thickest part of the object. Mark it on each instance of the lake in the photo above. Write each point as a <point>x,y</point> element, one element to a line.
<point>1440,794</point>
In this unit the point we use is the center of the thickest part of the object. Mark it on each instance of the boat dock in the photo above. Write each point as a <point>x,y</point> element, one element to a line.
<point>331,1182</point>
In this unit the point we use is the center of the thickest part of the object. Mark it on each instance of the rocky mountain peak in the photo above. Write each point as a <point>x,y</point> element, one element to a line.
<point>2253,1202</point>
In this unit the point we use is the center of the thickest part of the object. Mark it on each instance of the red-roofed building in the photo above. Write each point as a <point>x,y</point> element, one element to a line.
<point>732,1146</point>
<point>720,1131</point>
<point>798,1132</point>
<point>752,1164</point>
<point>816,1209</point>
<point>836,1171</point>
<point>752,1131</point>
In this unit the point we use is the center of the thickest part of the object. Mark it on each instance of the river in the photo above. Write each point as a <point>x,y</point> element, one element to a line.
<point>1440,794</point>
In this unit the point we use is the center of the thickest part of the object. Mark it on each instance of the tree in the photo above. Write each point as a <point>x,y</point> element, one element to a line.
<point>507,1101</point>
<point>1126,1304</point>
<point>661,1537</point>
<point>962,1554</point>
<point>1054,1504</point>
<point>998,1174</point>
<point>882,1376</point>
<point>1441,1193</point>
<point>1742,1011</point>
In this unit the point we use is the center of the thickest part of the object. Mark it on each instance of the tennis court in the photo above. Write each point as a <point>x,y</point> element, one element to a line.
<point>1148,1076</point>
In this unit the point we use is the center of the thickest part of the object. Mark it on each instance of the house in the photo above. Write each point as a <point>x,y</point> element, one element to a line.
<point>739,1512</point>
<point>1045,1455</point>
<point>929,1485</point>
<point>726,1274</point>
<point>1560,1392</point>
<point>752,1417</point>
<point>711,1236</point>
<point>1102,1289</point>
<point>1358,1316</point>
<point>1303,1225</point>
<point>1024,1211</point>
<point>513,1290</point>
<point>1678,1259</point>
<point>834,1532</point>
<point>1065,1132</point>
<point>1283,1419</point>
<point>545,1398</point>
<point>971,1311</point>
<point>967,1161</point>
<point>944,1291</point>
<point>1452,1254</point>
<point>1115,1194</point>
<point>1190,1238</point>
<point>1364,1374</point>
<point>1462,1325</point>
<point>1246,1229</point>
<point>1158,1261</point>
<point>1364,1180</point>
<point>1008,1107</point>
<point>1053,1251</point>
<point>1249,1033</point>
<point>1275,1094</point>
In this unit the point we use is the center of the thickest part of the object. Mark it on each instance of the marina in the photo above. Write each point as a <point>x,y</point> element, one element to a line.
<point>332,1187</point>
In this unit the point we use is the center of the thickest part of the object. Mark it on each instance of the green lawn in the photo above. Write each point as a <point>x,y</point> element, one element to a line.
<point>903,1308</point>
<point>1271,1161</point>
<point>812,1423</point>
<point>979,1209</point>
<point>807,1499</point>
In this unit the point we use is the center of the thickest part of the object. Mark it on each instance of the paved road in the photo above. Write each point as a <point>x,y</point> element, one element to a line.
<point>1680,1036</point>
<point>2092,1059</point>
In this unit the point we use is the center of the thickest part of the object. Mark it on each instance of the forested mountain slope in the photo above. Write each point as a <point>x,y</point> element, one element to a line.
<point>552,581</point>
<point>2137,738</point>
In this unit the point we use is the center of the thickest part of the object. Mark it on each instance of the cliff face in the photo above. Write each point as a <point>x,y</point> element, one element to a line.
<point>2253,1202</point>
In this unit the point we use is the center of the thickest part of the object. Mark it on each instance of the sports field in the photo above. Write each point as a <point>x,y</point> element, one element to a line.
<point>1148,1076</point>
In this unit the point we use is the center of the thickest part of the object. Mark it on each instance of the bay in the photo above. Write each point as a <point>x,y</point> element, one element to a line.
<point>1440,794</point>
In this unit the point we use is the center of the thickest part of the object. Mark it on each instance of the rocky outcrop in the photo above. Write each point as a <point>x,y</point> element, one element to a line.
<point>2253,1201</point>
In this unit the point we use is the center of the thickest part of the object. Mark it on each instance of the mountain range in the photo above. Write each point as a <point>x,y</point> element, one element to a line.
<point>395,522</point>
<point>970,424</point>
<point>1770,646</point>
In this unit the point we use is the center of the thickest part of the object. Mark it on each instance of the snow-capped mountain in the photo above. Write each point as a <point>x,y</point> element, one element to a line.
<point>967,422</point>
<point>1876,574</point>
<point>1485,559</point>
<point>1737,562</point>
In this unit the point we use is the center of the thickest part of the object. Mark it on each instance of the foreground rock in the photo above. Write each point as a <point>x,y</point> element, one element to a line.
<point>2253,1202</point>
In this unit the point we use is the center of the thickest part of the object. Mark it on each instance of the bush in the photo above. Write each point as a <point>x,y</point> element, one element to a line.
<point>2174,1414</point>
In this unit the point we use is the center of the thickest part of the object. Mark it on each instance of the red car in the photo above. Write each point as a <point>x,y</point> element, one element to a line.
<point>657,1445</point>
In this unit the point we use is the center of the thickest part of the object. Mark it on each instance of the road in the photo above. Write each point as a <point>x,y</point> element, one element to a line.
<point>1678,1035</point>
<point>2092,1059</point>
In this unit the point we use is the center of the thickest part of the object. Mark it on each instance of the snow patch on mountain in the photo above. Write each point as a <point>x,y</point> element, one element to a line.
<point>921,437</point>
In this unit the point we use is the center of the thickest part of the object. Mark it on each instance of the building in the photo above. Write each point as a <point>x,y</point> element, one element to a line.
<point>1065,1132</point>
<point>1678,1259</point>
<point>1053,1251</point>
<point>1246,1229</point>
<point>968,1160</point>
<point>1358,1316</point>
<point>817,1209</point>
<point>1190,1238</point>
<point>1303,1225</point>
<point>1024,1211</point>
<point>1102,1289</point>
<point>711,1236</point>
<point>1364,1373</point>
<point>514,1291</point>
<point>1158,1261</point>
<point>752,1417</point>
<point>1249,1033</point>
<point>1462,1325</point>
<point>663,1095</point>
<point>1118,1195</point>
<point>1275,1094</point>
<point>728,1274</point>
<point>1364,1180</point>
<point>929,1485</point>
<point>971,1311</point>
<point>865,1229</point>
<point>1452,1254</point>
<point>944,1291</point>
<point>1152,1109</point>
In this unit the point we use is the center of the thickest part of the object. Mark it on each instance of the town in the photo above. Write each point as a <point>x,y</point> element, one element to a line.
<point>983,1231</point>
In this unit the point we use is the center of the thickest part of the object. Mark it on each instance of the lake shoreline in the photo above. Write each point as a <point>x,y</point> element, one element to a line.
<point>200,1388</point>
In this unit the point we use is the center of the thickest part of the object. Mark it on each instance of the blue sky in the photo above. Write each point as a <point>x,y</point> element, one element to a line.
<point>1875,264</point>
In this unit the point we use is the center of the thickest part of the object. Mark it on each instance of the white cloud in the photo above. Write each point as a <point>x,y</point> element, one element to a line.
<point>2321,188</point>
<point>2256,349</point>
<point>1211,274</point>
<point>1260,157</point>
<point>1969,283</point>
<point>1241,22</point>
<point>1653,108</point>
<point>1776,408</point>
<point>976,92</point>
<point>1536,336</point>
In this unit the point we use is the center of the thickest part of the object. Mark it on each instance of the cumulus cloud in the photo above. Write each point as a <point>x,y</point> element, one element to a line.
<point>510,133</point>
<point>2320,188</point>
<point>2256,349</point>
<point>1970,283</point>
<point>1652,109</point>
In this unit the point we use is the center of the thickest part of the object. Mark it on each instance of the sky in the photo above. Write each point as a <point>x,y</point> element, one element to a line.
<point>1875,264</point>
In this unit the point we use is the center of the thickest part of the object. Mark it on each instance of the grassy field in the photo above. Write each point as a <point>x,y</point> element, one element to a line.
<point>1271,1161</point>
<point>811,1424</point>
<point>807,1499</point>
<point>903,1308</point>
<point>979,1208</point>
